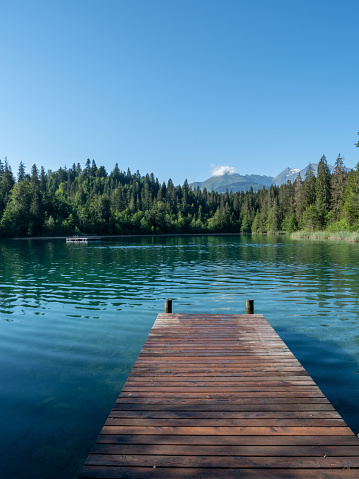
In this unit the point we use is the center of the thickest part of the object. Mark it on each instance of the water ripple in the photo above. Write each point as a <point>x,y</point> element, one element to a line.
<point>73,320</point>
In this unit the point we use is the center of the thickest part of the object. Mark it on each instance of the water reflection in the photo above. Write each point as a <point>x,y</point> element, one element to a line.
<point>73,319</point>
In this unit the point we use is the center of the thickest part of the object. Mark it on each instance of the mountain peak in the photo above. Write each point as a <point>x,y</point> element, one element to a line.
<point>227,178</point>
<point>234,182</point>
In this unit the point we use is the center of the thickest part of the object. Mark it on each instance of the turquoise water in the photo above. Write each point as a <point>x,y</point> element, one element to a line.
<point>73,319</point>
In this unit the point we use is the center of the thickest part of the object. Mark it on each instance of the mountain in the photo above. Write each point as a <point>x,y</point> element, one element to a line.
<point>291,174</point>
<point>315,167</point>
<point>236,182</point>
<point>287,174</point>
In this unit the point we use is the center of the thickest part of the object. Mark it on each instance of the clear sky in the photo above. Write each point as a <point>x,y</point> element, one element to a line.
<point>178,87</point>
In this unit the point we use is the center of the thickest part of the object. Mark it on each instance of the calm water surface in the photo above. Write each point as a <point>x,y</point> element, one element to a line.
<point>73,319</point>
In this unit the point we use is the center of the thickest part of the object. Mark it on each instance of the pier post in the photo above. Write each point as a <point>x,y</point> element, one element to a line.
<point>168,305</point>
<point>249,306</point>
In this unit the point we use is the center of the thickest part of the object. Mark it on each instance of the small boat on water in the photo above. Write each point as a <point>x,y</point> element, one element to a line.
<point>81,239</point>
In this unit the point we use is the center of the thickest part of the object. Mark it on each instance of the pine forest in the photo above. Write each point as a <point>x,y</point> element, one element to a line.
<point>93,201</point>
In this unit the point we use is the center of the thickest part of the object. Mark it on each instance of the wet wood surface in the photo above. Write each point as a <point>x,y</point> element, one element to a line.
<point>221,396</point>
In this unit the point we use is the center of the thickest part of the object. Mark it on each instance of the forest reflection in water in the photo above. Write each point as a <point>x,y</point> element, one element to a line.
<point>73,319</point>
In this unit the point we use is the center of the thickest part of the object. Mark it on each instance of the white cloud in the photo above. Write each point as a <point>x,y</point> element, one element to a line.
<point>220,170</point>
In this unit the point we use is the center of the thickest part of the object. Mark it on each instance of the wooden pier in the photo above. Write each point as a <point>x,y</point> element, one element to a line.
<point>221,396</point>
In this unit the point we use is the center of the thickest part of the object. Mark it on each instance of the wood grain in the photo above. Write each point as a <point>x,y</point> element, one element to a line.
<point>221,396</point>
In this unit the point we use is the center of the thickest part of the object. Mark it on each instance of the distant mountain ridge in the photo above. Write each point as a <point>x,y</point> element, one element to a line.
<point>288,174</point>
<point>235,182</point>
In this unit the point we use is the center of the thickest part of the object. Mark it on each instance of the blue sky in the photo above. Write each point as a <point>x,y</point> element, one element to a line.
<point>177,87</point>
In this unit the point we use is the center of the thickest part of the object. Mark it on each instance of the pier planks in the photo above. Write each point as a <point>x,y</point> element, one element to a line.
<point>221,396</point>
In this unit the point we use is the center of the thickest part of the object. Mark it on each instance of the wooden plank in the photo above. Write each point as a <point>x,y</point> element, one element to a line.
<point>270,440</point>
<point>247,450</point>
<point>220,414</point>
<point>230,430</point>
<point>211,379</point>
<point>225,422</point>
<point>223,461</point>
<point>221,396</point>
<point>110,472</point>
<point>209,407</point>
<point>221,383</point>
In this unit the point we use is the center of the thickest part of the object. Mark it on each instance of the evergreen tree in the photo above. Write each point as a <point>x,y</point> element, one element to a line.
<point>185,192</point>
<point>34,177</point>
<point>323,191</point>
<point>36,218</point>
<point>310,218</point>
<point>170,195</point>
<point>309,186</point>
<point>350,210</point>
<point>21,172</point>
<point>68,201</point>
<point>36,214</point>
<point>145,194</point>
<point>338,182</point>
<point>7,182</point>
<point>42,180</point>
<point>255,224</point>
<point>93,168</point>
<point>285,201</point>
<point>290,223</point>
<point>15,219</point>
<point>299,198</point>
<point>273,219</point>
<point>87,169</point>
<point>245,226</point>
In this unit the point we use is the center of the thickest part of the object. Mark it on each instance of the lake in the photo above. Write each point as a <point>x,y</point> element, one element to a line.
<point>73,319</point>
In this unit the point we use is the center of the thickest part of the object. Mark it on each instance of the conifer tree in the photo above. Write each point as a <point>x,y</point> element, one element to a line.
<point>309,186</point>
<point>87,169</point>
<point>350,208</point>
<point>299,198</point>
<point>245,226</point>
<point>21,172</point>
<point>170,194</point>
<point>323,193</point>
<point>273,220</point>
<point>72,200</point>
<point>7,182</point>
<point>338,182</point>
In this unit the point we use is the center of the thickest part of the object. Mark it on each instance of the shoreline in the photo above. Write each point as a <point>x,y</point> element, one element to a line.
<point>160,235</point>
<point>350,236</point>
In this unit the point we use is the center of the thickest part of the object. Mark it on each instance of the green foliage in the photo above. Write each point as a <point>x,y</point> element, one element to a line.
<point>299,199</point>
<point>75,201</point>
<point>350,208</point>
<point>323,192</point>
<point>338,183</point>
<point>273,220</point>
<point>309,187</point>
<point>310,219</point>
<point>290,223</point>
<point>245,227</point>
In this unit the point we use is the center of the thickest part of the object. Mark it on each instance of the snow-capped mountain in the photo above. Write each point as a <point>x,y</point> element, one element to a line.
<point>236,182</point>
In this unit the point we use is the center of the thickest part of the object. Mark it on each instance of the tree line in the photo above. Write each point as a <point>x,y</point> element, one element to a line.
<point>90,200</point>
